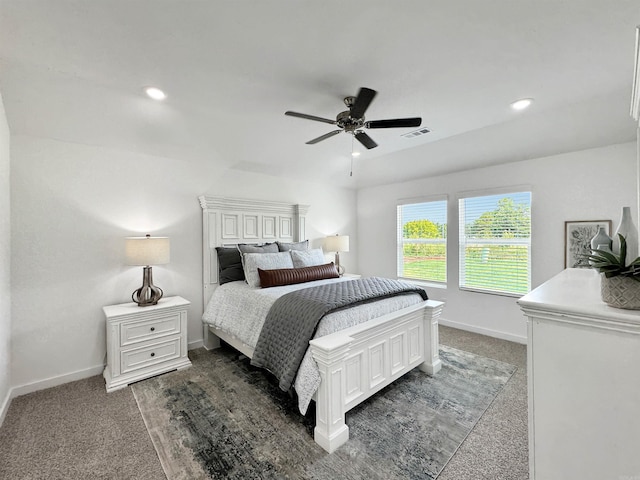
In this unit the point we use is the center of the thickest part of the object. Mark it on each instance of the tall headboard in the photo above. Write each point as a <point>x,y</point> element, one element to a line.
<point>229,221</point>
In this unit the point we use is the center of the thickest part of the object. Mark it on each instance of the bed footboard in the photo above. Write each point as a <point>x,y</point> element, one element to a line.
<point>357,362</point>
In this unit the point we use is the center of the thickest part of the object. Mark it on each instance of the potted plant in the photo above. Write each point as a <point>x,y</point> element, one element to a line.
<point>620,285</point>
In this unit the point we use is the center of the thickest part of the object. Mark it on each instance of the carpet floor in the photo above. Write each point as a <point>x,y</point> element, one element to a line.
<point>78,431</point>
<point>224,419</point>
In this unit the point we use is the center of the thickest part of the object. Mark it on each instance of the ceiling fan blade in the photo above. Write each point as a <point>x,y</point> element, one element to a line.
<point>362,102</point>
<point>323,137</point>
<point>394,123</point>
<point>365,140</point>
<point>310,117</point>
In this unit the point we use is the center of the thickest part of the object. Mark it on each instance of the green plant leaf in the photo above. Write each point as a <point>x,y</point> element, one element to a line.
<point>609,268</point>
<point>601,255</point>
<point>612,265</point>
<point>623,249</point>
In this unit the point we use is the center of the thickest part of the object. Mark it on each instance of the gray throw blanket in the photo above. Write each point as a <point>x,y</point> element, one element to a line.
<point>294,317</point>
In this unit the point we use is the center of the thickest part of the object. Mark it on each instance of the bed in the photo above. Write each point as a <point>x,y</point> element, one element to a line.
<point>352,355</point>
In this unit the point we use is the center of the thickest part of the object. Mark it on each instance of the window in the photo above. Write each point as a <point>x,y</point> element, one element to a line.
<point>422,241</point>
<point>495,243</point>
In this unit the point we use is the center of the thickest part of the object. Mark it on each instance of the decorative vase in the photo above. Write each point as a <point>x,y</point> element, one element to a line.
<point>601,241</point>
<point>620,292</point>
<point>628,230</point>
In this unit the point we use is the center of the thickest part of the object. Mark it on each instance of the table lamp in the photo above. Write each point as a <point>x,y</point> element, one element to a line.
<point>337,243</point>
<point>147,251</point>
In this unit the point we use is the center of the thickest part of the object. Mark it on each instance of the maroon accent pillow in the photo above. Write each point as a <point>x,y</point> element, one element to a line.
<point>290,276</point>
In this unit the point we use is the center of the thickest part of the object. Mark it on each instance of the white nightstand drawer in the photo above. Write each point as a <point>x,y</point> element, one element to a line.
<point>135,332</point>
<point>150,355</point>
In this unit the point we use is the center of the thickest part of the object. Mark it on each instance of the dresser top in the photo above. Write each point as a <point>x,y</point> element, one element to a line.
<point>576,291</point>
<point>132,308</point>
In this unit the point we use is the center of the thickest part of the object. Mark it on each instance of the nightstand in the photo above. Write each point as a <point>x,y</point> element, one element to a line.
<point>145,341</point>
<point>353,276</point>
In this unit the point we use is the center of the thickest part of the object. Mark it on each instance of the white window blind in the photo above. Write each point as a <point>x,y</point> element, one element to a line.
<point>495,243</point>
<point>422,241</point>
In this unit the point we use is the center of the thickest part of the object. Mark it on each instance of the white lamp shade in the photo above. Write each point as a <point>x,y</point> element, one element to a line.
<point>337,243</point>
<point>147,250</point>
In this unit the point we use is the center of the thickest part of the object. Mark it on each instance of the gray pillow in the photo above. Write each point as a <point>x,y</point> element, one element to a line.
<point>307,258</point>
<point>285,247</point>
<point>229,265</point>
<point>264,261</point>
<point>266,248</point>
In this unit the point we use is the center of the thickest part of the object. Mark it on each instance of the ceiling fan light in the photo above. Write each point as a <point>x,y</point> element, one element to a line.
<point>155,93</point>
<point>522,103</point>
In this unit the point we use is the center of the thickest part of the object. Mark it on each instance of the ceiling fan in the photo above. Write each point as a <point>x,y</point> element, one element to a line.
<point>352,120</point>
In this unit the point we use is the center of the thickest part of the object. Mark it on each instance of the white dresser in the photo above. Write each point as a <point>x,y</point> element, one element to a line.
<point>584,382</point>
<point>145,341</point>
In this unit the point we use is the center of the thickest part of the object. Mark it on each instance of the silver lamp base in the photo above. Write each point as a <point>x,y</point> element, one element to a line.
<point>339,267</point>
<point>148,294</point>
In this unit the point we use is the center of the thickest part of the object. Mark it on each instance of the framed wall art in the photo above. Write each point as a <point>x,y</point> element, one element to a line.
<point>577,240</point>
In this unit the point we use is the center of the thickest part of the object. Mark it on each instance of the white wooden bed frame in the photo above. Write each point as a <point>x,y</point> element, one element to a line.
<point>354,363</point>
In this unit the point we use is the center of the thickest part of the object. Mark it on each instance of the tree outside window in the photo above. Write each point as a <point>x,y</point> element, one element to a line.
<point>495,243</point>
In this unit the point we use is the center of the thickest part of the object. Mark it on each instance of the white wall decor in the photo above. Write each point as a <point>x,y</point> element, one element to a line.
<point>577,240</point>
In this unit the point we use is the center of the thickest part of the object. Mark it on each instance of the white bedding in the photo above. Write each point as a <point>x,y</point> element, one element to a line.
<point>241,310</point>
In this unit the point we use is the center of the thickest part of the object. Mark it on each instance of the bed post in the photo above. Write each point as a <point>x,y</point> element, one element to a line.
<point>209,340</point>
<point>300,219</point>
<point>432,363</point>
<point>331,430</point>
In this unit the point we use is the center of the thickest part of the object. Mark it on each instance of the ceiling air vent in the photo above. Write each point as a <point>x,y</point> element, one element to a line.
<point>416,133</point>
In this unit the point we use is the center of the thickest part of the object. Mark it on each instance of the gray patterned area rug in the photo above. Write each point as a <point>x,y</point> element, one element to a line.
<point>224,419</point>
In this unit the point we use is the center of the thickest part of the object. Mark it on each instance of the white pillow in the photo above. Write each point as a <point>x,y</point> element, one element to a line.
<point>307,258</point>
<point>265,261</point>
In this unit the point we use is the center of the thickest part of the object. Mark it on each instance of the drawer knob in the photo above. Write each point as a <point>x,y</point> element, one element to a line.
<point>153,354</point>
<point>153,329</point>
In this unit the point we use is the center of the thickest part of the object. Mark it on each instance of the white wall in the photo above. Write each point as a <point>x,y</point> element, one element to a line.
<point>586,185</point>
<point>72,206</point>
<point>5,265</point>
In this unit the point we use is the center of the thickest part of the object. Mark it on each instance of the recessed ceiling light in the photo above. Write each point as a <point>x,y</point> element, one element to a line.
<point>521,104</point>
<point>355,154</point>
<point>155,93</point>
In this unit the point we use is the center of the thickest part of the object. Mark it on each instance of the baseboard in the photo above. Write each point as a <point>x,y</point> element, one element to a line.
<point>59,380</point>
<point>55,381</point>
<point>483,331</point>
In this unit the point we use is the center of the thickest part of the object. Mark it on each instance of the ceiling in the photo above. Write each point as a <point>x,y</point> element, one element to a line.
<point>75,70</point>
